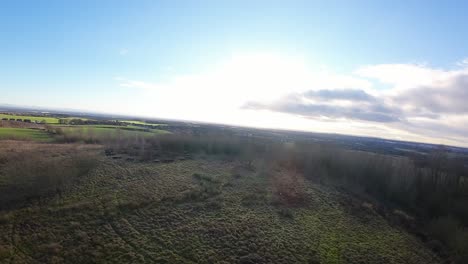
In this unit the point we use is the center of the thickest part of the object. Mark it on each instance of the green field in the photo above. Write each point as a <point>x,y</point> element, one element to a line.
<point>74,117</point>
<point>24,134</point>
<point>48,120</point>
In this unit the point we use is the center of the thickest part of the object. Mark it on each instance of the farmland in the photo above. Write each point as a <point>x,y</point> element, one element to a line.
<point>49,126</point>
<point>46,119</point>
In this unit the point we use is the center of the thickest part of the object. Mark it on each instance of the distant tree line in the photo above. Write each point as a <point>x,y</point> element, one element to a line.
<point>79,121</point>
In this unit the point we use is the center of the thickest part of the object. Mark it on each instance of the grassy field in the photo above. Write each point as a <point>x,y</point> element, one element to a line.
<point>141,123</point>
<point>24,134</point>
<point>197,211</point>
<point>110,131</point>
<point>104,133</point>
<point>48,120</point>
<point>86,132</point>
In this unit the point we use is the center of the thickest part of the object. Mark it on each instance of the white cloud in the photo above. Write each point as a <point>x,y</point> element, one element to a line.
<point>463,63</point>
<point>402,76</point>
<point>254,77</point>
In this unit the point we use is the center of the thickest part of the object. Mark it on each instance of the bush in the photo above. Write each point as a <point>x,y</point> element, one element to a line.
<point>288,188</point>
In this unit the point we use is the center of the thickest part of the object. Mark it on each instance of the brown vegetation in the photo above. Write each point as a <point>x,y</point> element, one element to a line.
<point>31,171</point>
<point>17,124</point>
<point>288,188</point>
<point>432,190</point>
<point>429,187</point>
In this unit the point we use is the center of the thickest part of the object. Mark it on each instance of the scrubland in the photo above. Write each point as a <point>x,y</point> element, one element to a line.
<point>219,199</point>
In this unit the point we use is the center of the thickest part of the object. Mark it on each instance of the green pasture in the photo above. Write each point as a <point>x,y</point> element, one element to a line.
<point>24,134</point>
<point>48,120</point>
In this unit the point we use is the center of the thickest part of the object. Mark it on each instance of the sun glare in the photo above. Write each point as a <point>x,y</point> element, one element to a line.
<point>263,76</point>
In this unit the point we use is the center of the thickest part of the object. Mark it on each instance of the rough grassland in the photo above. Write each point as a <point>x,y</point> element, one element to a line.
<point>125,212</point>
<point>24,134</point>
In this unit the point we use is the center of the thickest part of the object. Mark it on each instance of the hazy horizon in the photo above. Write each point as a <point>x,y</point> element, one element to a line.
<point>389,70</point>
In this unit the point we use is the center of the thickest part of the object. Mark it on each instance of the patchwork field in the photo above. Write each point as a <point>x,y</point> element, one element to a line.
<point>197,211</point>
<point>37,132</point>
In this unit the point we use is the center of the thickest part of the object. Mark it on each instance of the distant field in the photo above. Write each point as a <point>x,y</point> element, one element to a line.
<point>141,123</point>
<point>24,134</point>
<point>101,128</point>
<point>134,122</point>
<point>74,117</point>
<point>99,132</point>
<point>49,120</point>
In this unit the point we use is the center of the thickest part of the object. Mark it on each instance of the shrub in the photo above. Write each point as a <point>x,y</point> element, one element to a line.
<point>288,188</point>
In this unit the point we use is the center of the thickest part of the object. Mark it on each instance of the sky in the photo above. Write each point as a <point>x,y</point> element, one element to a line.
<point>390,69</point>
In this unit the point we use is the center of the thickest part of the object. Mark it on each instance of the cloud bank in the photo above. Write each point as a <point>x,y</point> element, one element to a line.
<point>413,98</point>
<point>404,101</point>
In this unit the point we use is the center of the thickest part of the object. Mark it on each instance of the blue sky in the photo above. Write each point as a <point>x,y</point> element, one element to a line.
<point>129,56</point>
